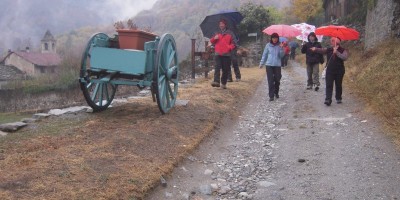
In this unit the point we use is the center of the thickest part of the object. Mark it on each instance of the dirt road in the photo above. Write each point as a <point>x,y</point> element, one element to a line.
<point>291,148</point>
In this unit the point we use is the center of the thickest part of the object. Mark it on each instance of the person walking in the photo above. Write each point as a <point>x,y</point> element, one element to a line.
<point>271,57</point>
<point>235,66</point>
<point>293,46</point>
<point>286,51</point>
<point>224,44</point>
<point>313,59</point>
<point>336,55</point>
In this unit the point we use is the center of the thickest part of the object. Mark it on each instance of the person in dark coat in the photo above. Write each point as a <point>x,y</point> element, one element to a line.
<point>336,55</point>
<point>313,59</point>
<point>293,46</point>
<point>224,44</point>
<point>235,64</point>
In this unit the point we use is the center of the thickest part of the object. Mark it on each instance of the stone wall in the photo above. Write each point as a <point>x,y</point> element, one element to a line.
<point>17,100</point>
<point>382,22</point>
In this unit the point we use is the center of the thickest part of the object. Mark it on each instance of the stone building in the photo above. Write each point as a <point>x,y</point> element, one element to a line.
<point>9,73</point>
<point>336,9</point>
<point>48,43</point>
<point>35,63</point>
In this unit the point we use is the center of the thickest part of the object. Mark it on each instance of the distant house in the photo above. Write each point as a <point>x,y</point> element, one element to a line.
<point>35,63</point>
<point>9,73</point>
<point>335,9</point>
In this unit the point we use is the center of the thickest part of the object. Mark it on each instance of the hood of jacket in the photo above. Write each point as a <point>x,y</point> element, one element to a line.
<point>312,34</point>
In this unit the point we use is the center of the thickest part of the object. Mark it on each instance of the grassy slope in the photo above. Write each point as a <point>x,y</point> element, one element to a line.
<point>375,76</point>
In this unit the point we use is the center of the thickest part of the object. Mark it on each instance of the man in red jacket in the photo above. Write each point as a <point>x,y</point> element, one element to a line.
<point>224,43</point>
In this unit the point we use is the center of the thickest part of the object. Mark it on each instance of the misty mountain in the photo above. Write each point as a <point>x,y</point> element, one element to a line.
<point>182,18</point>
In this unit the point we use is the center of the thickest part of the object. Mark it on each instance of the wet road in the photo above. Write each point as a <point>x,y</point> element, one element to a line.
<point>292,148</point>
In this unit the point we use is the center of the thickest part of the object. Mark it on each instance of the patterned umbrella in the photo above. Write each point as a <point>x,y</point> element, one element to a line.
<point>306,29</point>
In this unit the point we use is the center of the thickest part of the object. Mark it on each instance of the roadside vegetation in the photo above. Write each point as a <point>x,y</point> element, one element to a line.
<point>374,75</point>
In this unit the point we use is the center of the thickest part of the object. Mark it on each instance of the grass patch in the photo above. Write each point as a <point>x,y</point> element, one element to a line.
<point>106,156</point>
<point>13,117</point>
<point>374,75</point>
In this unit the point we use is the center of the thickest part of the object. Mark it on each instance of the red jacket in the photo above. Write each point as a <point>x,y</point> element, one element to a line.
<point>224,44</point>
<point>286,49</point>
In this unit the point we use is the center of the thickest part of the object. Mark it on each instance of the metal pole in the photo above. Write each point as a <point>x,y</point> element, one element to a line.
<point>206,60</point>
<point>193,63</point>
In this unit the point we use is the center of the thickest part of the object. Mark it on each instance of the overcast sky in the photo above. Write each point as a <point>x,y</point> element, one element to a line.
<point>126,8</point>
<point>22,19</point>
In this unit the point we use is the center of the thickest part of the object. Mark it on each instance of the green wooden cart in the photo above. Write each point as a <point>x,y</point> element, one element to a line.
<point>104,66</point>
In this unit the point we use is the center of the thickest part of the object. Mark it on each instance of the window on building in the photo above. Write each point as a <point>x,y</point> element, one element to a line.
<point>53,46</point>
<point>42,70</point>
<point>46,46</point>
<point>52,70</point>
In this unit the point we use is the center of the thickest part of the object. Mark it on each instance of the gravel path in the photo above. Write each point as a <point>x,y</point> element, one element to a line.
<point>291,148</point>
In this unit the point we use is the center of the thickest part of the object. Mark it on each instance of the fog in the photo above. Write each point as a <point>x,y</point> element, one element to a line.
<point>24,22</point>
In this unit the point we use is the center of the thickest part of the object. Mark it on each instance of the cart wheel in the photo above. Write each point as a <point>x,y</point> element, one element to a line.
<point>98,94</point>
<point>165,75</point>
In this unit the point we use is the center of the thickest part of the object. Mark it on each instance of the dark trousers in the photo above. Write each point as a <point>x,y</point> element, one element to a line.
<point>336,79</point>
<point>284,60</point>
<point>235,66</point>
<point>292,53</point>
<point>224,63</point>
<point>274,80</point>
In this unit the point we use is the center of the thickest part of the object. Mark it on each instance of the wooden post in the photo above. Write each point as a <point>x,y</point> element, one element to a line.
<point>193,63</point>
<point>206,60</point>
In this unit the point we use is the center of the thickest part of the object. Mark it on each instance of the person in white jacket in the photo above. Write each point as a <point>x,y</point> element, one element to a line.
<point>271,57</point>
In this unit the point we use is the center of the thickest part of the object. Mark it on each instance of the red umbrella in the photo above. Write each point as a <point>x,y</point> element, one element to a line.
<point>282,30</point>
<point>342,32</point>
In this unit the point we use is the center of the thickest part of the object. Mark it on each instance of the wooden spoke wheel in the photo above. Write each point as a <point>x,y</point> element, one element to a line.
<point>165,74</point>
<point>98,94</point>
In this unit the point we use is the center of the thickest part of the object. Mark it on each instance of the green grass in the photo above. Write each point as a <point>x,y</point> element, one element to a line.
<point>46,127</point>
<point>13,117</point>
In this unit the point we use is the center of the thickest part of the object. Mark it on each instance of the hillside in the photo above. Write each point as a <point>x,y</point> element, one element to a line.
<point>183,17</point>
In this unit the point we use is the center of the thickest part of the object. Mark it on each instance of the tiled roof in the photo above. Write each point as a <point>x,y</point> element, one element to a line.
<point>42,59</point>
<point>10,73</point>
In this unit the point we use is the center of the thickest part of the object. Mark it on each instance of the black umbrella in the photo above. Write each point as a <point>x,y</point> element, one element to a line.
<point>210,27</point>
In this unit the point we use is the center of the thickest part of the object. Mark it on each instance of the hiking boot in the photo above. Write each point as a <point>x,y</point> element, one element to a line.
<point>230,80</point>
<point>238,79</point>
<point>339,101</point>
<point>215,84</point>
<point>328,102</point>
<point>316,88</point>
<point>277,96</point>
<point>309,87</point>
<point>271,99</point>
<point>223,86</point>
